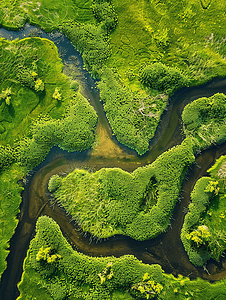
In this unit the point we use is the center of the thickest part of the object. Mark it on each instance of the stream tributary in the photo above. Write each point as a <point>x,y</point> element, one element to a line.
<point>167,249</point>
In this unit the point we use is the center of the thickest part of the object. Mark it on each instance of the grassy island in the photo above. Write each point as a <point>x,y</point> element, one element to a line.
<point>204,230</point>
<point>53,270</point>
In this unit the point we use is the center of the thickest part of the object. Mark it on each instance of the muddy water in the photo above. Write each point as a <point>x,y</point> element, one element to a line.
<point>165,250</point>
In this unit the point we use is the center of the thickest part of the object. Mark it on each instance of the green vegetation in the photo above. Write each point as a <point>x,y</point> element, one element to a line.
<point>194,42</point>
<point>189,51</point>
<point>10,200</point>
<point>23,63</point>
<point>204,229</point>
<point>71,275</point>
<point>160,77</point>
<point>140,204</point>
<point>133,116</point>
<point>47,14</point>
<point>72,133</point>
<point>31,82</point>
<point>112,201</point>
<point>204,121</point>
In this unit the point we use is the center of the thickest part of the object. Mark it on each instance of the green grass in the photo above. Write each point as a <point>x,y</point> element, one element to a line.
<point>48,15</point>
<point>78,277</point>
<point>203,121</point>
<point>208,210</point>
<point>32,120</point>
<point>176,33</point>
<point>26,103</point>
<point>112,201</point>
<point>10,200</point>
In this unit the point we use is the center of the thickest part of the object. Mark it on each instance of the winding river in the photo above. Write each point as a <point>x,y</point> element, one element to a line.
<point>167,249</point>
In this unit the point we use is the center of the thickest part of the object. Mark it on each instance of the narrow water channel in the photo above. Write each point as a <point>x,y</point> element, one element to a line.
<point>167,249</point>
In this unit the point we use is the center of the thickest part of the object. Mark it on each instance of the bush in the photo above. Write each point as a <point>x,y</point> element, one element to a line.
<point>91,42</point>
<point>105,14</point>
<point>139,205</point>
<point>54,183</point>
<point>203,120</point>
<point>200,200</point>
<point>160,77</point>
<point>6,156</point>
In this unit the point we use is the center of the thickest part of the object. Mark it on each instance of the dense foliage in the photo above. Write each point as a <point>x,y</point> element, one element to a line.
<point>105,14</point>
<point>73,132</point>
<point>160,77</point>
<point>10,200</point>
<point>31,74</point>
<point>204,120</point>
<point>112,201</point>
<point>203,233</point>
<point>133,117</point>
<point>53,270</point>
<point>91,41</point>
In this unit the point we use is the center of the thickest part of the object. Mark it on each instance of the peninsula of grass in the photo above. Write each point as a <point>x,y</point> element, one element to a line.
<point>53,270</point>
<point>135,45</point>
<point>140,204</point>
<point>204,229</point>
<point>37,111</point>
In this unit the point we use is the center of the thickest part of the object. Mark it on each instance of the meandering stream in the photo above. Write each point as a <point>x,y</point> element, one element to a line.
<point>167,249</point>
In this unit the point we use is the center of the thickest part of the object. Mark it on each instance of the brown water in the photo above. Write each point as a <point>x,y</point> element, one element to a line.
<point>167,249</point>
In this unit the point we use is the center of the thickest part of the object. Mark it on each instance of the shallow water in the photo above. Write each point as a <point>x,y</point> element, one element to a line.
<point>167,249</point>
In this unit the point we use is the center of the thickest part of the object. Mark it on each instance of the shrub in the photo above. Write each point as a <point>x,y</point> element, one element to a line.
<point>54,183</point>
<point>6,156</point>
<point>160,77</point>
<point>203,120</point>
<point>105,14</point>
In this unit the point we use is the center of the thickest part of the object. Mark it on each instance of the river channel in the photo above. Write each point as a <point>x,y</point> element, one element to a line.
<point>167,249</point>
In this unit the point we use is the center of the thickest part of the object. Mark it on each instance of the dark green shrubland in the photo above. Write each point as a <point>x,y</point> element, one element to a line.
<point>91,41</point>
<point>105,14</point>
